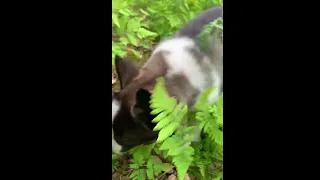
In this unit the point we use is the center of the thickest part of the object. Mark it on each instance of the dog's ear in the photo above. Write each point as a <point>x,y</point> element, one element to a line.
<point>126,70</point>
<point>141,107</point>
<point>141,110</point>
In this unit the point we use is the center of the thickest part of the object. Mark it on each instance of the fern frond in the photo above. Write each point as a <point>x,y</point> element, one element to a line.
<point>170,114</point>
<point>210,116</point>
<point>141,154</point>
<point>150,172</point>
<point>177,145</point>
<point>180,151</point>
<point>115,161</point>
<point>183,161</point>
<point>139,174</point>
<point>202,102</point>
<point>207,161</point>
<point>158,166</point>
<point>155,167</point>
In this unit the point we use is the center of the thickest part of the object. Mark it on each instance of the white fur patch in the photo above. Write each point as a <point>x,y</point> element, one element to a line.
<point>115,109</point>
<point>214,96</point>
<point>181,61</point>
<point>116,148</point>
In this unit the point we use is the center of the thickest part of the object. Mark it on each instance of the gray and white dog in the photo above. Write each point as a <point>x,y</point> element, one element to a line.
<point>187,71</point>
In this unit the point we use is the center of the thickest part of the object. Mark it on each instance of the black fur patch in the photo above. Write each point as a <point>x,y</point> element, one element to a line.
<point>131,131</point>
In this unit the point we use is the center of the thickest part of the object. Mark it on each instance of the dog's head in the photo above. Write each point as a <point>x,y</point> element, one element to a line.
<point>131,119</point>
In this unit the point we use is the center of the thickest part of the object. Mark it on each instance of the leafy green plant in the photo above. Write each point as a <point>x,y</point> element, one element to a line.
<point>138,24</point>
<point>130,32</point>
<point>175,136</point>
<point>115,162</point>
<point>146,165</point>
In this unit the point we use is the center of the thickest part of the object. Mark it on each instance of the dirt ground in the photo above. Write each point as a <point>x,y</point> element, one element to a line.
<point>123,172</point>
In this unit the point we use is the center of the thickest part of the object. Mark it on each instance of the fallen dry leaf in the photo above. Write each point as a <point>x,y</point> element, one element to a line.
<point>172,177</point>
<point>169,170</point>
<point>187,177</point>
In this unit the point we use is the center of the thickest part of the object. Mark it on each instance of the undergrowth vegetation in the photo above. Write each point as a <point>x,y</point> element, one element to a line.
<point>137,25</point>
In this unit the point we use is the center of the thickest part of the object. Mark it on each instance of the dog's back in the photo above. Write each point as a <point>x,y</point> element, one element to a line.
<point>195,26</point>
<point>187,70</point>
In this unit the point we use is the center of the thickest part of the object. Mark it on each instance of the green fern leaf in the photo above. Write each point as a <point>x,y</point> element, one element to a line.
<point>217,153</point>
<point>171,114</point>
<point>158,166</point>
<point>134,166</point>
<point>115,161</point>
<point>157,111</point>
<point>160,116</point>
<point>143,33</point>
<point>175,151</point>
<point>202,168</point>
<point>161,96</point>
<point>138,159</point>
<point>202,102</point>
<point>166,104</point>
<point>141,153</point>
<point>115,19</point>
<point>169,124</point>
<point>218,176</point>
<point>149,171</point>
<point>210,117</point>
<point>219,110</point>
<point>217,136</point>
<point>139,174</point>
<point>161,103</point>
<point>181,112</point>
<point>156,169</point>
<point>163,122</point>
<point>183,161</point>
<point>171,142</point>
<point>186,130</point>
<point>167,131</point>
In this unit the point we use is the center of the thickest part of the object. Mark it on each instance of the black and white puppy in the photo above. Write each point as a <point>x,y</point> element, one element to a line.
<point>187,71</point>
